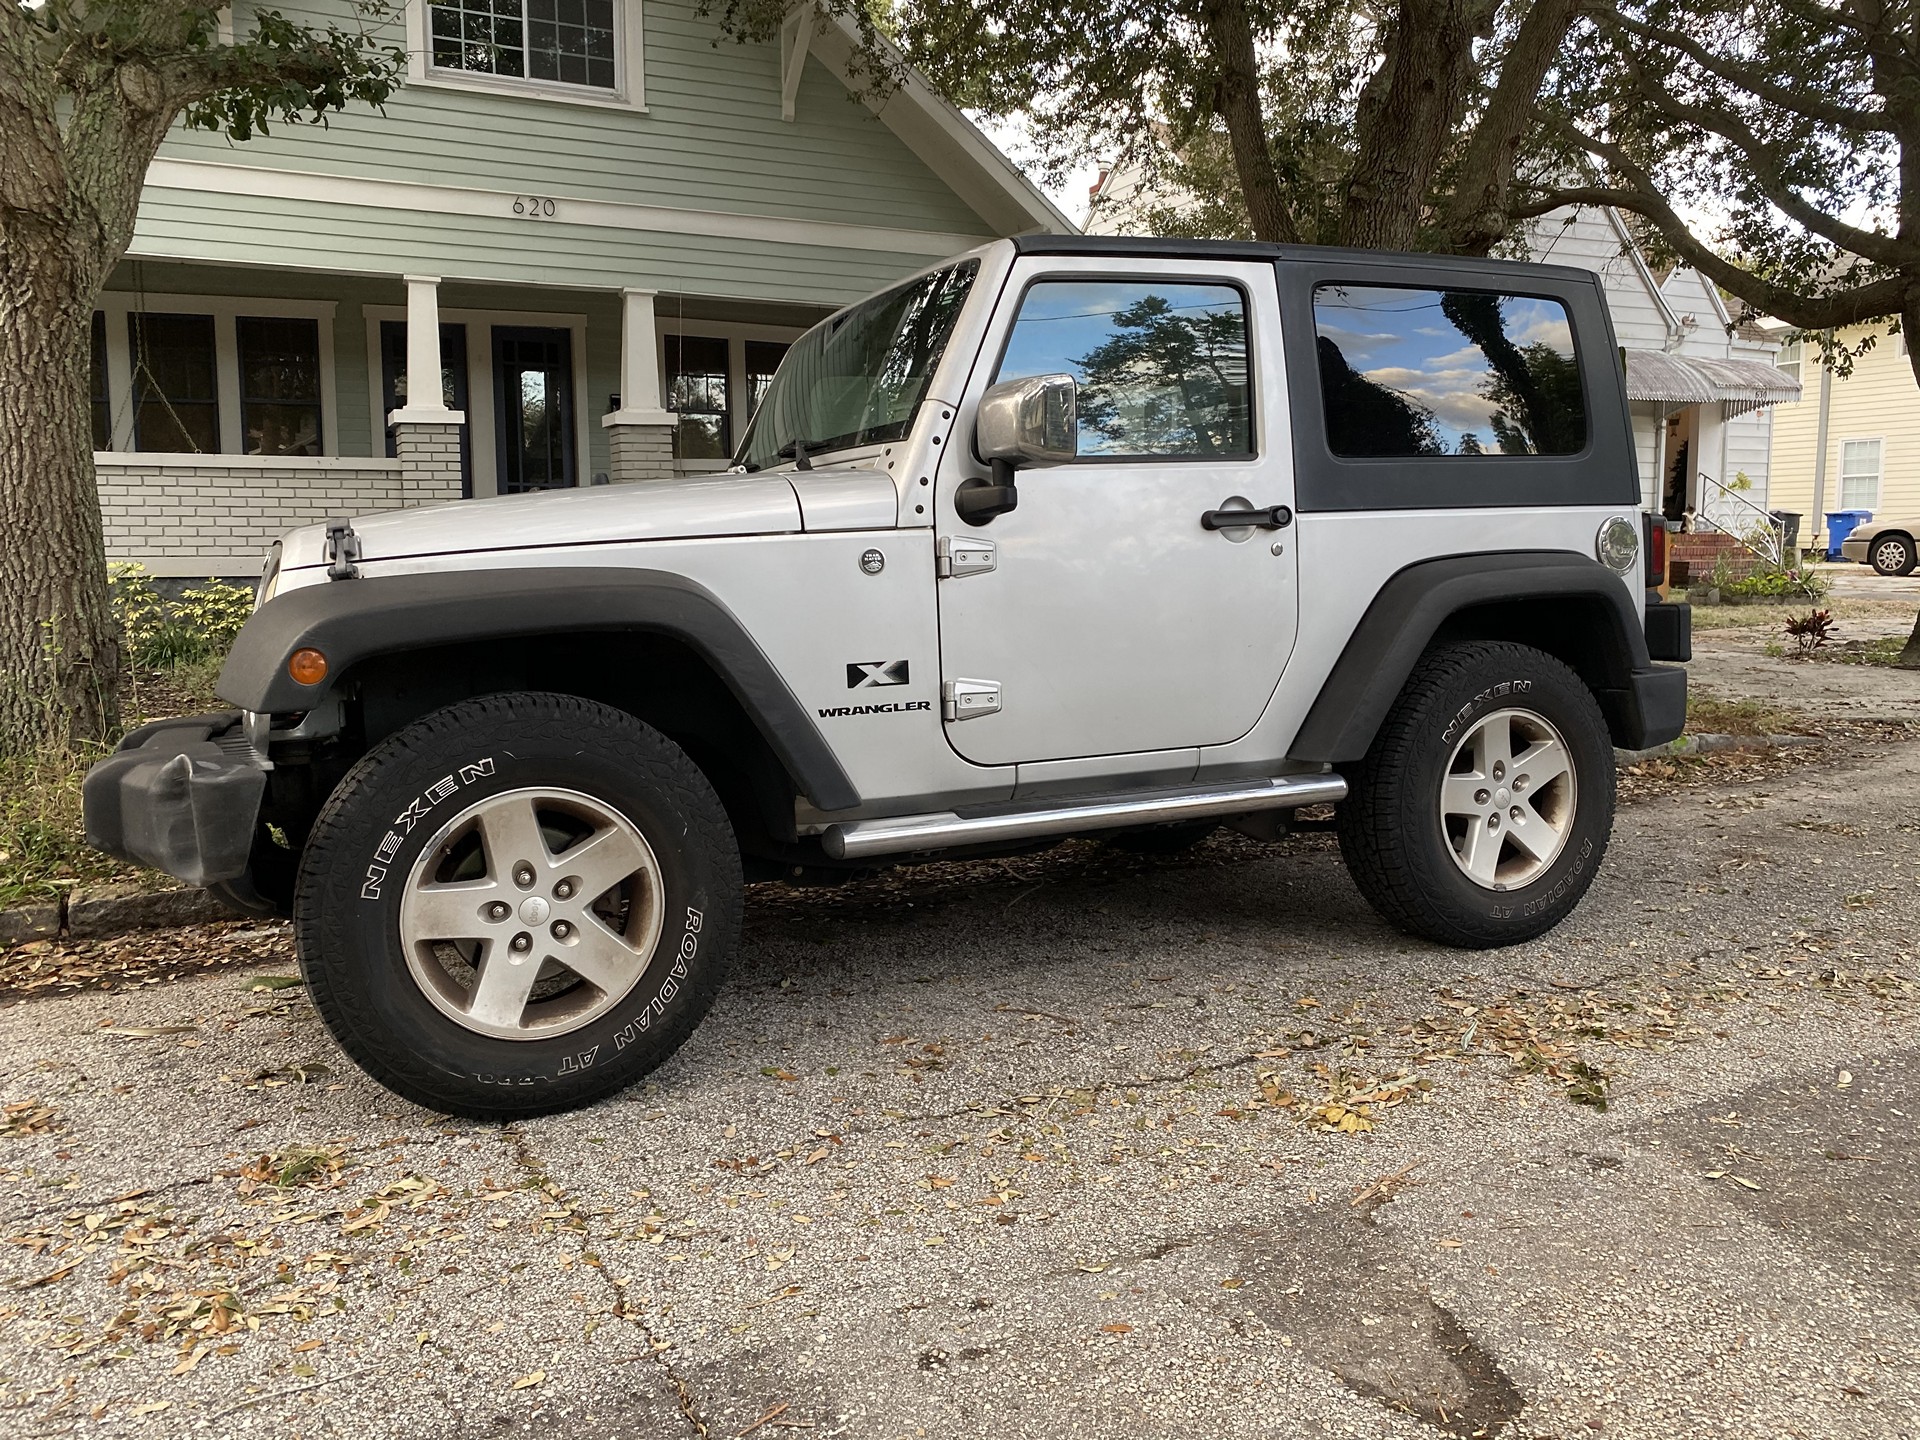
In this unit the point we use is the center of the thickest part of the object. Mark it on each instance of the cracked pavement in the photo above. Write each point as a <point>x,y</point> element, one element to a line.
<point>1049,1148</point>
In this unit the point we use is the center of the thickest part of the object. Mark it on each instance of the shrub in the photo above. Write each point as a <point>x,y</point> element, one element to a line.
<point>198,626</point>
<point>1812,630</point>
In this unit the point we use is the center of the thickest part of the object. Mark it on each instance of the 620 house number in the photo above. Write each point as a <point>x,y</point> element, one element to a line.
<point>534,207</point>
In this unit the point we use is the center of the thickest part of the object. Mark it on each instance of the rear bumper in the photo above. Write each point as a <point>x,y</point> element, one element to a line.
<point>181,796</point>
<point>1854,550</point>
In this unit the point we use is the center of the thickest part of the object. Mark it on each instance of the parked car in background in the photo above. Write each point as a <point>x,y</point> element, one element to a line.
<point>1887,545</point>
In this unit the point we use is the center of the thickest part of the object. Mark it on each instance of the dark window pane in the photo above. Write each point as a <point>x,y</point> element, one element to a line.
<point>279,386</point>
<point>175,393</point>
<point>1162,368</point>
<point>97,388</point>
<point>1455,372</point>
<point>697,389</point>
<point>763,359</point>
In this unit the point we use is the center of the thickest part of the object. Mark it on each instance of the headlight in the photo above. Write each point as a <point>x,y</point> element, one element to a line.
<point>1618,544</point>
<point>269,577</point>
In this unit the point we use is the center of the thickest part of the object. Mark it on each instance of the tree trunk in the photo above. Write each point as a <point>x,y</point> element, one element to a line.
<point>1909,657</point>
<point>59,643</point>
<point>1406,119</point>
<point>1231,32</point>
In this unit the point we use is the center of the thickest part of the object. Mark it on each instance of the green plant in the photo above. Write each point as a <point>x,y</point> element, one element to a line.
<point>198,626</point>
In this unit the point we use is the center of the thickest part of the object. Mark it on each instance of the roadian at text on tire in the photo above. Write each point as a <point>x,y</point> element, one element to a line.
<point>1065,536</point>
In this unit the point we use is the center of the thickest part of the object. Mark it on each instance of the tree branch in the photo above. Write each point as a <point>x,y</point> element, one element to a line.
<point>1747,77</point>
<point>1239,105</point>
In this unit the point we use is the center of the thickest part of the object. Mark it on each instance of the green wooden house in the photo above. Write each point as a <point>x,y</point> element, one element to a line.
<point>570,251</point>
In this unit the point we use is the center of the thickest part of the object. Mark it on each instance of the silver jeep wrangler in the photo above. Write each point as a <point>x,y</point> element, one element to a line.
<point>1067,536</point>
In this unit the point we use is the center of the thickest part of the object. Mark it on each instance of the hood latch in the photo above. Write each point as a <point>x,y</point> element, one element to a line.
<point>343,551</point>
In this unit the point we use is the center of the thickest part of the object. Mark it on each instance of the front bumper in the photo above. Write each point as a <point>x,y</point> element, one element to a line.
<point>1854,550</point>
<point>182,796</point>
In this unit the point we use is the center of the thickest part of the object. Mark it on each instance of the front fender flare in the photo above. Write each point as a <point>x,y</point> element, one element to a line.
<point>351,621</point>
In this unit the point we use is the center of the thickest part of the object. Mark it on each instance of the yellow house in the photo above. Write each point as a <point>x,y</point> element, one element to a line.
<point>1849,443</point>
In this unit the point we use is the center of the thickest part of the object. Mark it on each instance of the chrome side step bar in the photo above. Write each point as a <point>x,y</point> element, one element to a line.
<point>899,834</point>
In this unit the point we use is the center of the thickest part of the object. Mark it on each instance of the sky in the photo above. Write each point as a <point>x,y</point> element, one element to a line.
<point>1010,135</point>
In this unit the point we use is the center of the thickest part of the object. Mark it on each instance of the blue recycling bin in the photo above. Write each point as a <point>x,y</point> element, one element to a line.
<point>1840,524</point>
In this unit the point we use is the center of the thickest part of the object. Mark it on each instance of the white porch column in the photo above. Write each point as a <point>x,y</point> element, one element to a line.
<point>640,432</point>
<point>426,434</point>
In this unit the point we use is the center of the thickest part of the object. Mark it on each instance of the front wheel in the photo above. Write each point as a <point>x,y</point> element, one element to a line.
<point>516,905</point>
<point>1893,555</point>
<point>1482,811</point>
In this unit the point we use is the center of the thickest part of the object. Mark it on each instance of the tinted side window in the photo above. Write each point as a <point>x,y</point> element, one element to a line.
<point>1162,366</point>
<point>1446,372</point>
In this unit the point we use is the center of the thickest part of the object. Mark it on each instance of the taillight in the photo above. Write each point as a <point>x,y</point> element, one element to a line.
<point>1655,549</point>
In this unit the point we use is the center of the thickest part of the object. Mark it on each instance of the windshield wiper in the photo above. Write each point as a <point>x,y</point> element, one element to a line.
<point>796,451</point>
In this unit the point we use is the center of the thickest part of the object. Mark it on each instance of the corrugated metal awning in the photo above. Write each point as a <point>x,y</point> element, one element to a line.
<point>1698,380</point>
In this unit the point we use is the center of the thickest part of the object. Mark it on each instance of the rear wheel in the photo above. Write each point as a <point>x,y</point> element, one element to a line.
<point>1893,555</point>
<point>517,905</point>
<point>1481,813</point>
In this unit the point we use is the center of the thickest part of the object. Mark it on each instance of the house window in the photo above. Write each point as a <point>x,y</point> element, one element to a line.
<point>97,372</point>
<point>697,392</point>
<point>763,359</point>
<point>1859,474</point>
<point>279,385</point>
<point>566,42</point>
<point>176,400</point>
<point>1789,357</point>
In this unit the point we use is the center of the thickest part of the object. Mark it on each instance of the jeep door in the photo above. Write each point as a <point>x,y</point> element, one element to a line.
<point>1107,617</point>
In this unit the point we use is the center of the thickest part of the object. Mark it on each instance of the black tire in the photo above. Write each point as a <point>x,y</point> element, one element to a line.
<point>1164,839</point>
<point>1892,554</point>
<point>1393,838</point>
<point>355,868</point>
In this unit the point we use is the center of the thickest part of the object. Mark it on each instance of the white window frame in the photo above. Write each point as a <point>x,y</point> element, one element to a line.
<point>1790,358</point>
<point>736,335</point>
<point>480,418</point>
<point>629,66</point>
<point>1879,472</point>
<point>117,305</point>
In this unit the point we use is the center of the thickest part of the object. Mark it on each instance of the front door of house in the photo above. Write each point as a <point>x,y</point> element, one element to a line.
<point>453,382</point>
<point>533,409</point>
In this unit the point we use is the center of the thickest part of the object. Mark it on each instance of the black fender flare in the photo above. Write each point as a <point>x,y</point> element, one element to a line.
<point>350,621</point>
<point>1637,696</point>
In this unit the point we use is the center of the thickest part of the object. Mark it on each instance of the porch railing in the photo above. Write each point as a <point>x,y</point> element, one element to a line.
<point>1732,513</point>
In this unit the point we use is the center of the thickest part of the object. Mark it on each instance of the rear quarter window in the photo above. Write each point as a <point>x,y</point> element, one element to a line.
<point>1430,373</point>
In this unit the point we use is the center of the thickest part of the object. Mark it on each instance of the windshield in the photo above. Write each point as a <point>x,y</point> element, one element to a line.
<point>857,378</point>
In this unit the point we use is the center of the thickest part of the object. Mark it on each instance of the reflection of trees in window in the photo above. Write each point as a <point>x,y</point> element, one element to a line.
<point>1364,417</point>
<point>1169,381</point>
<point>1535,387</point>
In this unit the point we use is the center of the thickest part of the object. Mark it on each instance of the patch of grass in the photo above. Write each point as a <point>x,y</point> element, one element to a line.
<point>1882,650</point>
<point>1709,714</point>
<point>43,848</point>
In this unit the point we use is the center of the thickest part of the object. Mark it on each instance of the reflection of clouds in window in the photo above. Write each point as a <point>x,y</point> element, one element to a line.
<point>1161,367</point>
<point>1395,382</point>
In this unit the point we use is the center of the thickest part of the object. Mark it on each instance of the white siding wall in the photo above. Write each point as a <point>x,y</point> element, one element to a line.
<point>1588,239</point>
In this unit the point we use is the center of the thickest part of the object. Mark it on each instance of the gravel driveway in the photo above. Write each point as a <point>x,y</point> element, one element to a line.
<point>1088,1146</point>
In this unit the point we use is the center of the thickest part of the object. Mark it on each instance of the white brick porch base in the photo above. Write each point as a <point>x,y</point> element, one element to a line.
<point>206,515</point>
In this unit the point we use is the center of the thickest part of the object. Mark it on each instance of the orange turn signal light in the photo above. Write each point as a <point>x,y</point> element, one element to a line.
<point>307,667</point>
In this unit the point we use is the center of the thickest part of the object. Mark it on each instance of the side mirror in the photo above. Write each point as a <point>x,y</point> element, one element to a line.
<point>1034,421</point>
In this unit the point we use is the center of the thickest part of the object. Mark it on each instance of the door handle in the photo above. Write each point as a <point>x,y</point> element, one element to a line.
<point>1274,517</point>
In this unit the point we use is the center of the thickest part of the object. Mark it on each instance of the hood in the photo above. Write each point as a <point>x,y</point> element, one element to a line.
<point>686,508</point>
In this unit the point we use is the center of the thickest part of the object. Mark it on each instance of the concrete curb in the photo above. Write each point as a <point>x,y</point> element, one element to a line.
<point>1708,744</point>
<point>102,911</point>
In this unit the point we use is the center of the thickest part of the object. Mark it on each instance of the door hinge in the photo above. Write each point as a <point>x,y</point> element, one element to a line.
<point>969,699</point>
<point>956,557</point>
